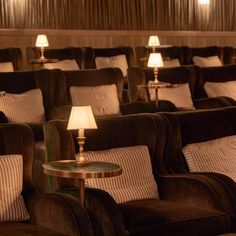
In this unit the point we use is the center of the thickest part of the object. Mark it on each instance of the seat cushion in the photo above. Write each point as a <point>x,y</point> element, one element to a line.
<point>8,229</point>
<point>135,182</point>
<point>167,218</point>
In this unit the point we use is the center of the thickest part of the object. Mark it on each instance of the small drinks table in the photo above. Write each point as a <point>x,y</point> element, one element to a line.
<point>157,85</point>
<point>69,169</point>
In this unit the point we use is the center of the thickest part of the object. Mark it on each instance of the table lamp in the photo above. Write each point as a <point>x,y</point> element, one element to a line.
<point>42,42</point>
<point>153,42</point>
<point>81,117</point>
<point>155,61</point>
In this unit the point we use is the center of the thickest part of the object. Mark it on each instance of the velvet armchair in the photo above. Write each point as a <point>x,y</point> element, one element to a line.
<point>195,127</point>
<point>50,213</point>
<point>192,75</point>
<point>188,204</point>
<point>13,55</point>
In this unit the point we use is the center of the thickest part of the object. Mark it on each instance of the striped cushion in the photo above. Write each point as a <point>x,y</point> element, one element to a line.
<point>69,64</point>
<point>12,206</point>
<point>6,67</point>
<point>23,108</point>
<point>216,155</point>
<point>136,181</point>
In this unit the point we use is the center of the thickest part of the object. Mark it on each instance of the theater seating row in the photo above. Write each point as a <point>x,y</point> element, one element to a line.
<point>87,57</point>
<point>208,87</point>
<point>182,201</point>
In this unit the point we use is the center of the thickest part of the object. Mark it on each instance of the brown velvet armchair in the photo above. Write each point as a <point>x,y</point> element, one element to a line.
<point>189,204</point>
<point>50,213</point>
<point>193,127</point>
<point>13,55</point>
<point>192,75</point>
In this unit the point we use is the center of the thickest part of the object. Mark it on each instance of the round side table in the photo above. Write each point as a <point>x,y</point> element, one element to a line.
<point>69,169</point>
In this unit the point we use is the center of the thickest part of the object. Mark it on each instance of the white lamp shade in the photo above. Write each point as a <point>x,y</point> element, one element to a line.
<point>41,41</point>
<point>155,60</point>
<point>81,117</point>
<point>153,41</point>
<point>204,2</point>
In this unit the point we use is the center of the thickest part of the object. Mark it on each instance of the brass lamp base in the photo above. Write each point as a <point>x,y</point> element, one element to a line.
<point>81,161</point>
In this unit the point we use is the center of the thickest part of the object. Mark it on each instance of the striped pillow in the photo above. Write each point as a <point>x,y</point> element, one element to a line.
<point>23,108</point>
<point>12,206</point>
<point>135,182</point>
<point>103,99</point>
<point>217,155</point>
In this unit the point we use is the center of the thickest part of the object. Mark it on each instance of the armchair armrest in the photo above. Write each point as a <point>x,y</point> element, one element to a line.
<point>59,212</point>
<point>103,211</point>
<point>206,103</point>
<point>146,107</point>
<point>195,189</point>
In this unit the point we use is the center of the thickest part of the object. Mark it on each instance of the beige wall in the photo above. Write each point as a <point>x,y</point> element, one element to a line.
<point>103,38</point>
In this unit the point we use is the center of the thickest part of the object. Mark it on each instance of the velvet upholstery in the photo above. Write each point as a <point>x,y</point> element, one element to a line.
<point>192,127</point>
<point>214,74</point>
<point>140,76</point>
<point>50,214</point>
<point>13,55</point>
<point>190,52</point>
<point>186,201</point>
<point>57,53</point>
<point>192,75</point>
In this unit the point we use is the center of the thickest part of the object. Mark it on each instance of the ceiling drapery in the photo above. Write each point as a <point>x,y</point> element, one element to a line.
<point>118,14</point>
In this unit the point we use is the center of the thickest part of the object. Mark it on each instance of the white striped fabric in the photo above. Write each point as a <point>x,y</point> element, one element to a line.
<point>69,64</point>
<point>6,67</point>
<point>12,206</point>
<point>216,155</point>
<point>135,182</point>
<point>23,108</point>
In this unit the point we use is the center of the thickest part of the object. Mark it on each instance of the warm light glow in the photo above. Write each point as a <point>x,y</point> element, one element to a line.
<point>204,2</point>
<point>155,60</point>
<point>81,117</point>
<point>41,41</point>
<point>153,41</point>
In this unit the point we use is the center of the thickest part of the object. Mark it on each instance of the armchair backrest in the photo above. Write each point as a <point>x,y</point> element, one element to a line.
<point>13,55</point>
<point>51,83</point>
<point>190,52</point>
<point>213,74</point>
<point>91,53</point>
<point>112,132</point>
<point>18,139</point>
<point>192,127</point>
<point>57,53</point>
<point>140,76</point>
<point>94,77</point>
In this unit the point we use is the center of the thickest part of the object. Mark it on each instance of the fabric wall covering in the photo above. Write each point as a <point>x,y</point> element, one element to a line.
<point>118,14</point>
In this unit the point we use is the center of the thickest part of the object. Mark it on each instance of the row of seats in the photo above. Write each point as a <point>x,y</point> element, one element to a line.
<point>183,202</point>
<point>103,90</point>
<point>85,57</point>
<point>195,95</point>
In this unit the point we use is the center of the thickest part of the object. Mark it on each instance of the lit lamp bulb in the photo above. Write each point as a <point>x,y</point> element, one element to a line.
<point>153,42</point>
<point>81,117</point>
<point>155,61</point>
<point>204,2</point>
<point>42,42</point>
